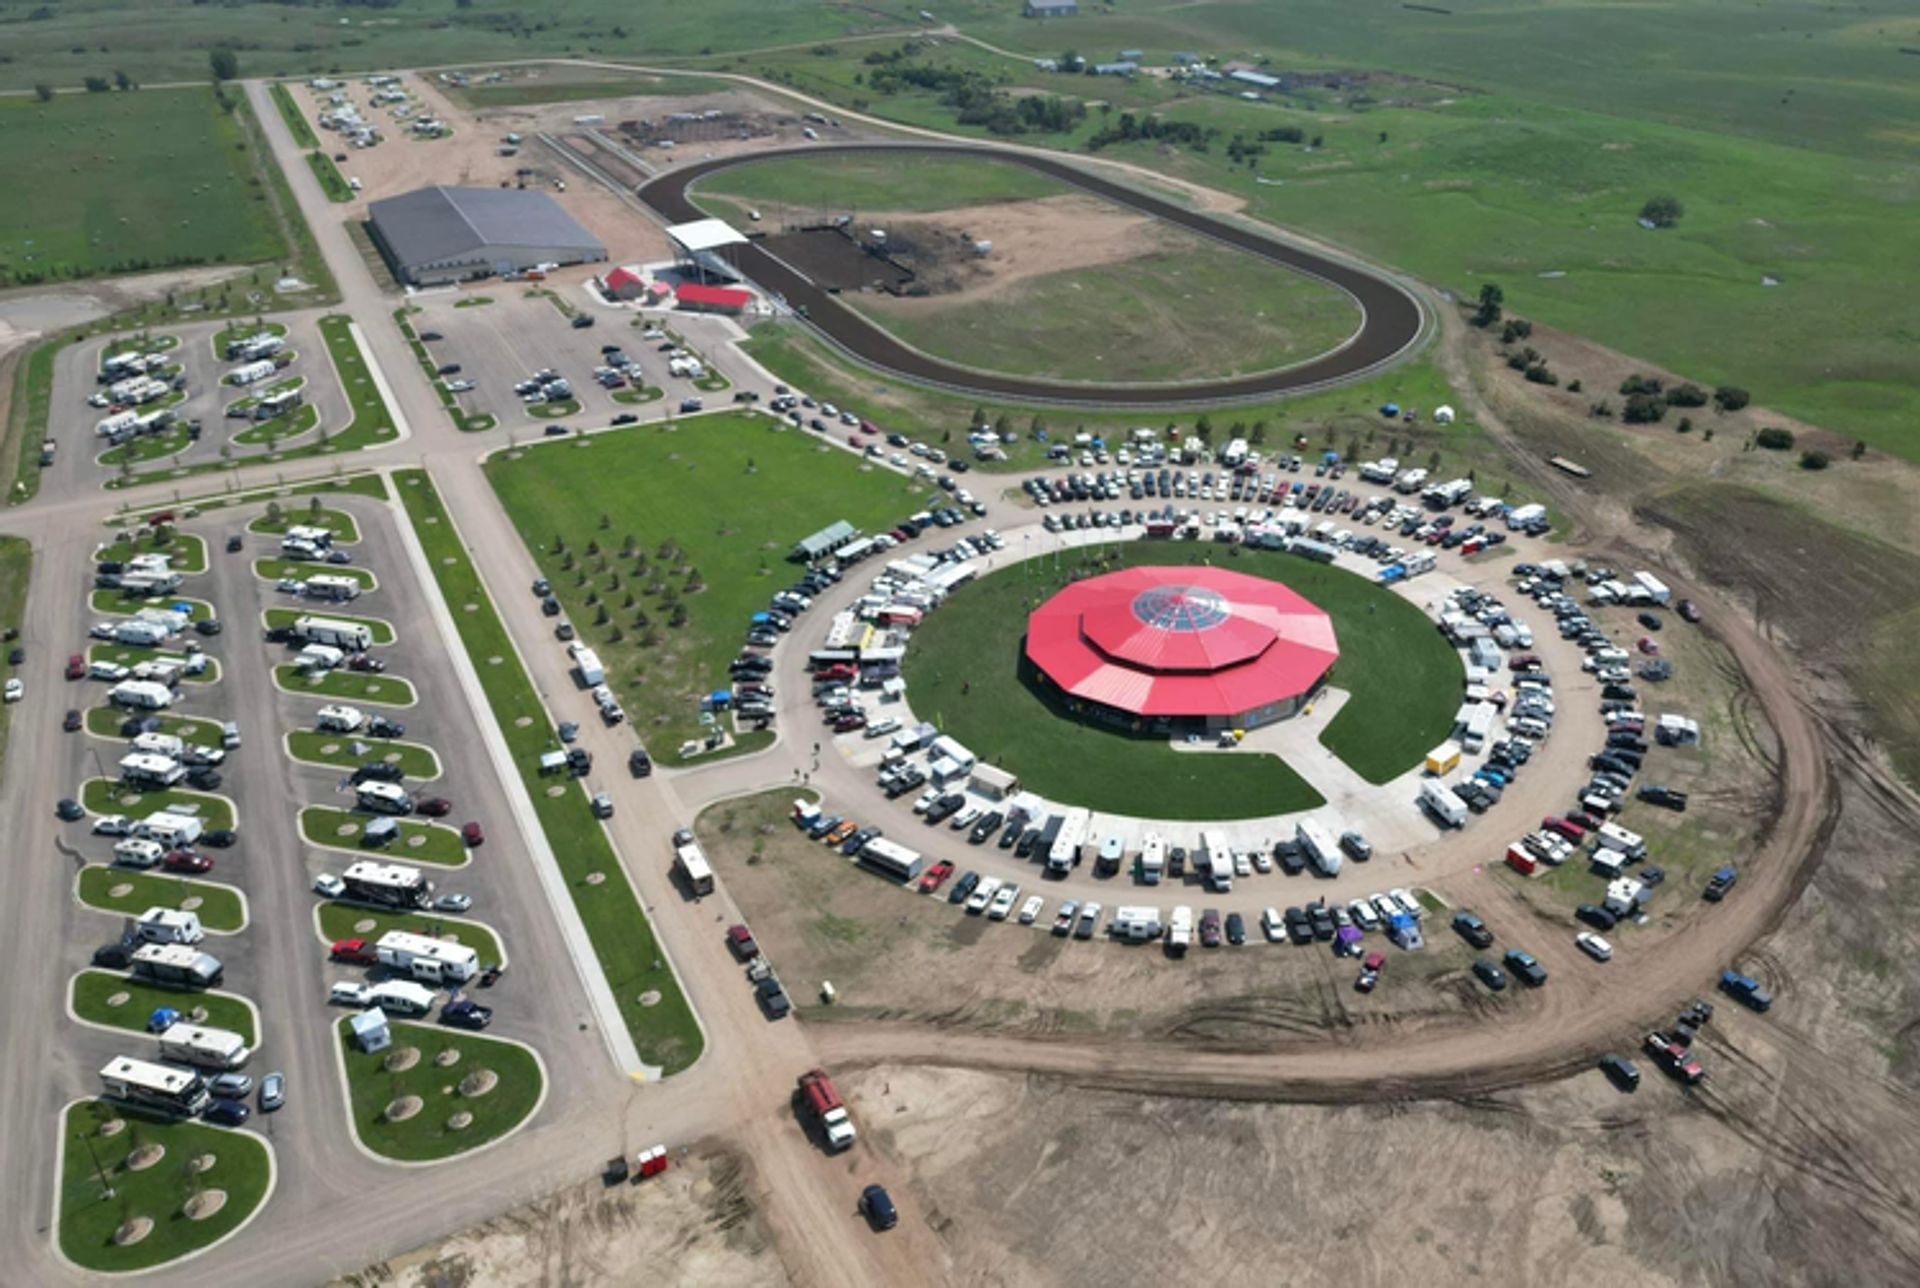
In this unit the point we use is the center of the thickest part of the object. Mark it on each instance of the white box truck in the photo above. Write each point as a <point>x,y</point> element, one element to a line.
<point>1321,849</point>
<point>587,663</point>
<point>1180,930</point>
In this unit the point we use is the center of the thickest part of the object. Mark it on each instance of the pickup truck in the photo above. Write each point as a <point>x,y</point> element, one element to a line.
<point>816,1091</point>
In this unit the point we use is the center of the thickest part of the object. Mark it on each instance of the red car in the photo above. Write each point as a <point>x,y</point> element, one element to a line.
<point>740,939</point>
<point>848,723</point>
<point>933,877</point>
<point>354,951</point>
<point>76,667</point>
<point>186,861</point>
<point>1689,610</point>
<point>472,834</point>
<point>365,662</point>
<point>1571,831</point>
<point>434,807</point>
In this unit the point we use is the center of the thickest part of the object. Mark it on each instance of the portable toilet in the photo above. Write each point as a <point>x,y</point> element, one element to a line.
<point>370,1030</point>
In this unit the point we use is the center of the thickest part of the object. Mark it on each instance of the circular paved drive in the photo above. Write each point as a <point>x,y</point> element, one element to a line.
<point>1391,317</point>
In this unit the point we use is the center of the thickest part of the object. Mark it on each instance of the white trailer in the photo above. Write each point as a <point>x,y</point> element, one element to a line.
<point>138,633</point>
<point>251,373</point>
<point>384,798</point>
<point>166,828</point>
<point>1438,800</point>
<point>341,719</point>
<point>1479,726</point>
<point>1153,859</point>
<point>328,586</point>
<point>423,958</point>
<point>403,997</point>
<point>691,862</point>
<point>163,1087</point>
<point>206,1047</point>
<point>145,769</point>
<point>141,695</point>
<point>1612,836</point>
<point>154,743</point>
<point>587,663</point>
<point>1521,516</point>
<point>354,636</point>
<point>169,926</point>
<point>1135,924</point>
<point>120,422</point>
<point>1656,590</point>
<point>1321,849</point>
<point>177,965</point>
<point>1180,930</point>
<point>1064,854</point>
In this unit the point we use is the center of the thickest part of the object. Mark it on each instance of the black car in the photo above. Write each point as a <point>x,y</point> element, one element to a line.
<point>382,727</point>
<point>235,544</point>
<point>279,634</point>
<point>1472,929</point>
<point>115,956</point>
<point>70,810</point>
<point>465,1013</point>
<point>16,655</point>
<point>429,336</point>
<point>72,723</point>
<point>134,726</point>
<point>639,764</point>
<point>205,777</point>
<point>379,771</point>
<point>773,998</point>
<point>1524,964</point>
<point>1490,975</point>
<point>879,1209</point>
<point>449,368</point>
<point>582,321</point>
<point>1620,1071</point>
<point>550,606</point>
<point>1236,929</point>
<point>211,626</point>
<point>219,838</point>
<point>963,887</point>
<point>1596,916</point>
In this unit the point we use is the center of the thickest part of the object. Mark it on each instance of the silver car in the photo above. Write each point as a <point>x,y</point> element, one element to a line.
<point>453,902</point>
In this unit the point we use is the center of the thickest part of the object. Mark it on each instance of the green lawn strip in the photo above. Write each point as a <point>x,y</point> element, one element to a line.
<point>965,671</point>
<point>908,182</point>
<point>27,414</point>
<point>187,552</point>
<point>665,1034</point>
<point>142,342</point>
<point>357,686</point>
<point>275,568</point>
<point>242,329</point>
<point>474,423</point>
<point>331,181</point>
<point>112,601</point>
<point>16,566</point>
<point>732,525</point>
<point>148,447</point>
<point>90,989</point>
<point>131,655</point>
<point>426,1135</point>
<point>553,410</point>
<point>302,420</point>
<point>104,722</point>
<point>363,484</point>
<point>221,907</point>
<point>635,397</point>
<point>336,921</point>
<point>338,749</point>
<point>472,301</point>
<point>345,530</point>
<point>439,845</point>
<point>242,1169</point>
<point>303,135</point>
<point>102,796</point>
<point>382,630</point>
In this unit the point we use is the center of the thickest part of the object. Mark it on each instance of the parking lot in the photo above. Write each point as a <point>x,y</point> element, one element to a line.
<point>278,959</point>
<point>72,421</point>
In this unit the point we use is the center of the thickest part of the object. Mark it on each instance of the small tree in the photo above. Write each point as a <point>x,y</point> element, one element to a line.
<point>1859,448</point>
<point>1685,426</point>
<point>43,92</point>
<point>1643,409</point>
<point>1491,300</point>
<point>121,80</point>
<point>1662,211</point>
<point>1774,439</point>
<point>1814,459</point>
<point>678,617</point>
<point>1731,398</point>
<point>223,63</point>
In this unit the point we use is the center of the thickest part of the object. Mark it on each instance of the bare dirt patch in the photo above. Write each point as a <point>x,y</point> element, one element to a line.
<point>693,1227</point>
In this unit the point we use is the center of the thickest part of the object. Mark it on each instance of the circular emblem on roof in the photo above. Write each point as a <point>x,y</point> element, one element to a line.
<point>1180,608</point>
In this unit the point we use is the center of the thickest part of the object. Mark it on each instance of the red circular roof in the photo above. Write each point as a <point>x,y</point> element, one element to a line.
<point>1181,641</point>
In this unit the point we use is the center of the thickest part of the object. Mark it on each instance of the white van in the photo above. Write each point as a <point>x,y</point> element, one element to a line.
<point>384,798</point>
<point>137,852</point>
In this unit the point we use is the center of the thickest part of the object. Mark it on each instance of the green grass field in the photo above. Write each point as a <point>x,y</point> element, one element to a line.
<point>112,601</point>
<point>303,135</point>
<point>965,673</point>
<point>337,749</point>
<point>427,1134</point>
<point>275,523</point>
<point>104,722</point>
<point>220,906</point>
<point>130,655</point>
<point>91,989</point>
<point>187,551</point>
<point>907,183</point>
<point>666,1034</point>
<point>127,182</point>
<point>1190,310</point>
<point>558,84</point>
<point>357,686</point>
<point>439,845</point>
<point>343,921</point>
<point>275,568</point>
<point>332,182</point>
<point>732,493</point>
<point>298,423</point>
<point>104,797</point>
<point>88,1218</point>
<point>382,630</point>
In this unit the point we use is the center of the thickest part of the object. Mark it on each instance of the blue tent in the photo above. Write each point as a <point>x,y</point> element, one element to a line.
<point>162,1019</point>
<point>1390,409</point>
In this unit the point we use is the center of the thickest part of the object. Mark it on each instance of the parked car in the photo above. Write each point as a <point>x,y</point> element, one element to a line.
<point>1470,928</point>
<point>329,885</point>
<point>72,723</point>
<point>472,835</point>
<point>1594,946</point>
<point>273,1091</point>
<point>741,940</point>
<point>1490,975</point>
<point>434,807</point>
<point>1526,966</point>
<point>452,902</point>
<point>877,1204</point>
<point>227,1113</point>
<point>1622,1072</point>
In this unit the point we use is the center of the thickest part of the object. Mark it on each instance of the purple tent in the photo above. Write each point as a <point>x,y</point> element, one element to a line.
<point>1346,941</point>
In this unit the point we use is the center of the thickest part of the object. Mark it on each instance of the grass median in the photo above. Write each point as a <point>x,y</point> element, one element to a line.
<point>277,569</point>
<point>112,601</point>
<point>278,519</point>
<point>303,135</point>
<point>429,1110</point>
<point>132,655</point>
<point>381,629</point>
<point>186,552</point>
<point>360,686</point>
<point>16,564</point>
<point>436,844</point>
<point>103,796</point>
<point>105,722</point>
<point>332,182</point>
<point>348,921</point>
<point>112,889</point>
<point>163,1200</point>
<point>348,752</point>
<point>93,995</point>
<point>666,1033</point>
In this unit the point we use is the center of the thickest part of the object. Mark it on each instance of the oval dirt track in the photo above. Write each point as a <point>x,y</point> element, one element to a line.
<point>1391,319</point>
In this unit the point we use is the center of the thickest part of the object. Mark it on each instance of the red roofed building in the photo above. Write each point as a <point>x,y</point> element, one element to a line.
<point>1173,646</point>
<point>624,284</point>
<point>712,299</point>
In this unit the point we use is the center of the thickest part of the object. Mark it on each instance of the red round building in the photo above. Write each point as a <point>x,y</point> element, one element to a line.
<point>1183,646</point>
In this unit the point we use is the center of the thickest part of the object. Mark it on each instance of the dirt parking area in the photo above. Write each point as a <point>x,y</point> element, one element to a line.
<point>894,954</point>
<point>694,1226</point>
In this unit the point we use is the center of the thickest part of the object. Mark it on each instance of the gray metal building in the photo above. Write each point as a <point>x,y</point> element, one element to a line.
<point>436,235</point>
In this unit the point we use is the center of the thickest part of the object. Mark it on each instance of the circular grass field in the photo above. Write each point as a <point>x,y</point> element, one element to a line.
<point>966,672</point>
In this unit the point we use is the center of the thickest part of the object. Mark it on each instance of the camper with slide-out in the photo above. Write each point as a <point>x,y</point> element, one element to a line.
<point>168,926</point>
<point>340,719</point>
<point>355,637</point>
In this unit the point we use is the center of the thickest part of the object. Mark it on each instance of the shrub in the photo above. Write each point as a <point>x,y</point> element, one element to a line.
<point>1730,397</point>
<point>1643,409</point>
<point>1686,395</point>
<point>1814,460</point>
<point>1662,212</point>
<point>1774,439</point>
<point>1539,374</point>
<point>1639,384</point>
<point>1573,386</point>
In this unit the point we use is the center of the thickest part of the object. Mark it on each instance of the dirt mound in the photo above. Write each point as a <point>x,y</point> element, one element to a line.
<point>401,1059</point>
<point>479,1083</point>
<point>205,1204</point>
<point>144,1157</point>
<point>131,1232</point>
<point>402,1109</point>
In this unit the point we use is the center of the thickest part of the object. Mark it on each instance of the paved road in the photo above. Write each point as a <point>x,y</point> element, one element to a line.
<point>1391,316</point>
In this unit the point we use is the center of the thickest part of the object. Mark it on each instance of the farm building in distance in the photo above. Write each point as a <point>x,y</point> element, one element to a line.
<point>437,235</point>
<point>1051,8</point>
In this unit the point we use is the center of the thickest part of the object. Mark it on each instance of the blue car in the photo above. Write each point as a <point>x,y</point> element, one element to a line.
<point>227,1113</point>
